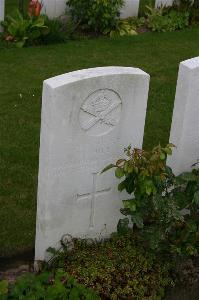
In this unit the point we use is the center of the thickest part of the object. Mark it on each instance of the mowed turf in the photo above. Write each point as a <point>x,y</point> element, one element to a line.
<point>22,72</point>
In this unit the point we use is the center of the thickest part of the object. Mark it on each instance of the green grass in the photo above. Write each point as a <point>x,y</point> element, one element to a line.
<point>22,72</point>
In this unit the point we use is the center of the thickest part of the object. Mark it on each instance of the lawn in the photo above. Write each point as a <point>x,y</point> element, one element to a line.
<point>22,72</point>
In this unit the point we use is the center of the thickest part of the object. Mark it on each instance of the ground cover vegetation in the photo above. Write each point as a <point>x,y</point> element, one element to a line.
<point>118,268</point>
<point>93,17</point>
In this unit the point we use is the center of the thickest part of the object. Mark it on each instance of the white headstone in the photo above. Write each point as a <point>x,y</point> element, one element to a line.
<point>185,124</point>
<point>88,117</point>
<point>2,9</point>
<point>159,3</point>
<point>54,8</point>
<point>130,9</point>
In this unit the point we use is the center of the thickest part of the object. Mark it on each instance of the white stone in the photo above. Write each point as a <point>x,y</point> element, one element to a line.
<point>130,9</point>
<point>185,124</point>
<point>88,117</point>
<point>54,8</point>
<point>2,9</point>
<point>159,3</point>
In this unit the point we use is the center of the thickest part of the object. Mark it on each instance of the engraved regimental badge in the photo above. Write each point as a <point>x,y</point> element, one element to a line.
<point>100,112</point>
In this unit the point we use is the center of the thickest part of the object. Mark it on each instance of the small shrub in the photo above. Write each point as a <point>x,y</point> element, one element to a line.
<point>165,19</point>
<point>122,28</point>
<point>184,236</point>
<point>33,30</point>
<point>57,32</point>
<point>118,268</point>
<point>97,16</point>
<point>24,30</point>
<point>164,209</point>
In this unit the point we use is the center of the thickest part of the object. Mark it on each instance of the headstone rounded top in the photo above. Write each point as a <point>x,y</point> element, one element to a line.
<point>71,77</point>
<point>191,63</point>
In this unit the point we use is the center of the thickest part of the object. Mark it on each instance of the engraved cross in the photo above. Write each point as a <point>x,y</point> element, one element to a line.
<point>92,196</point>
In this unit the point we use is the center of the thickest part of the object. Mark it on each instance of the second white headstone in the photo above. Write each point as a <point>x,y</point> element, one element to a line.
<point>185,124</point>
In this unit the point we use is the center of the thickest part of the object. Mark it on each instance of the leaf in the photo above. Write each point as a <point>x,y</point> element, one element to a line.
<point>148,190</point>
<point>138,220</point>
<point>119,173</point>
<point>168,151</point>
<point>120,161</point>
<point>121,186</point>
<point>123,226</point>
<point>196,198</point>
<point>108,168</point>
<point>162,156</point>
<point>130,204</point>
<point>52,250</point>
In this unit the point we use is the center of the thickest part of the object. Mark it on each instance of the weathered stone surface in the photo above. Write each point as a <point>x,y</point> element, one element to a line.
<point>185,124</point>
<point>88,117</point>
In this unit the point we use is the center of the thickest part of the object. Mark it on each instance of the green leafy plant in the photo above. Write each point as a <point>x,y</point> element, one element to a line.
<point>154,209</point>
<point>143,4</point>
<point>147,178</point>
<point>56,31</point>
<point>97,16</point>
<point>46,286</point>
<point>164,19</point>
<point>136,22</point>
<point>24,30</point>
<point>184,237</point>
<point>122,28</point>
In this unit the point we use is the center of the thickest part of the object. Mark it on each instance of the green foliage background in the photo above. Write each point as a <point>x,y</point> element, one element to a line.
<point>142,5</point>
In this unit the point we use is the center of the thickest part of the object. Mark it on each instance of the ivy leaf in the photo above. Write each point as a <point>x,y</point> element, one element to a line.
<point>119,173</point>
<point>108,168</point>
